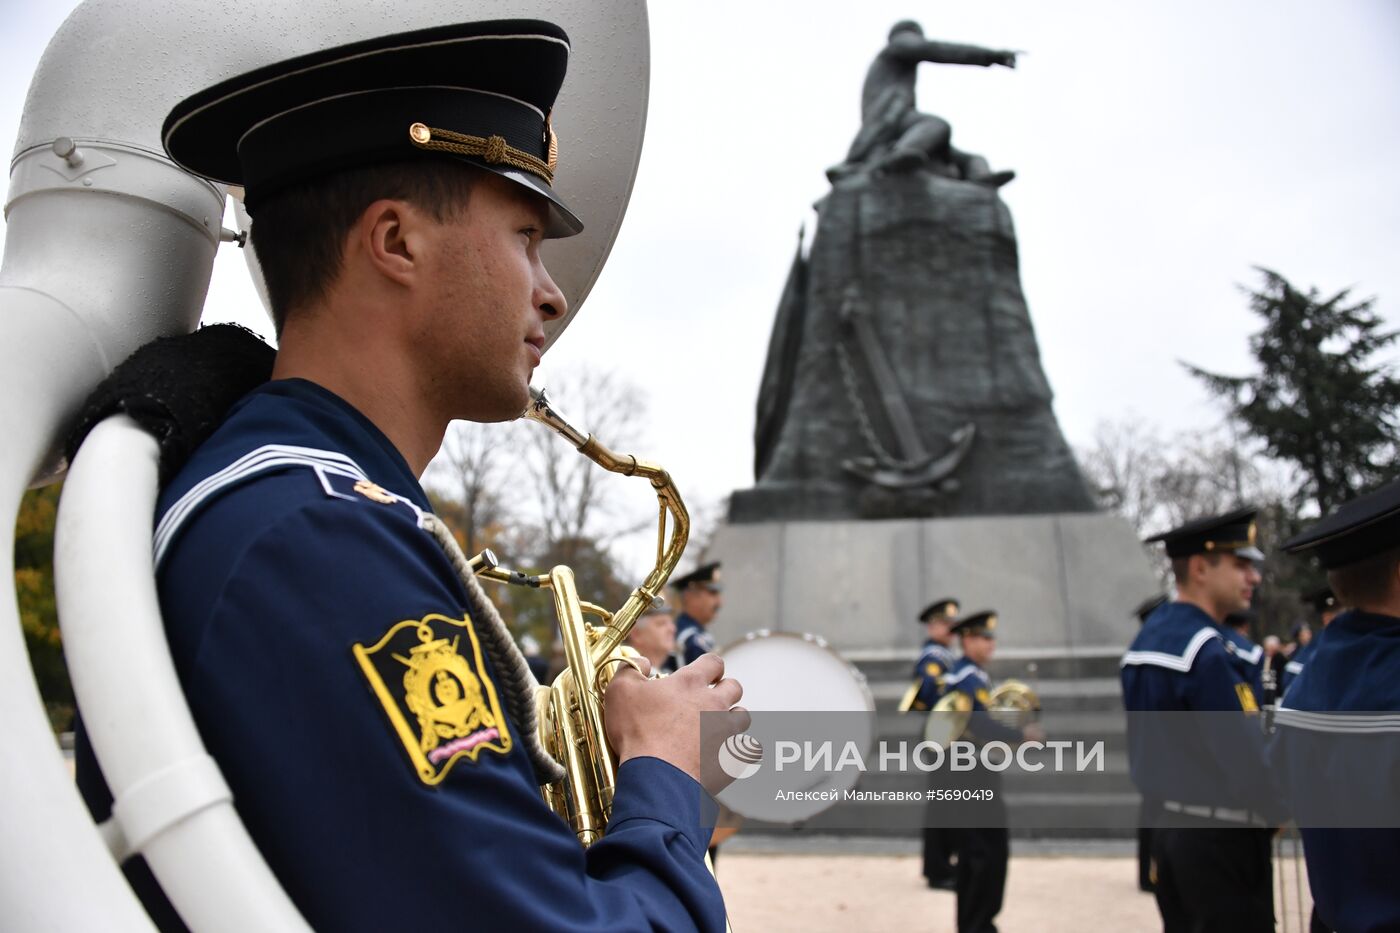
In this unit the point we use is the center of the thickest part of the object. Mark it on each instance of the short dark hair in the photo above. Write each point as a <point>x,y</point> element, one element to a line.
<point>1367,582</point>
<point>1181,566</point>
<point>299,233</point>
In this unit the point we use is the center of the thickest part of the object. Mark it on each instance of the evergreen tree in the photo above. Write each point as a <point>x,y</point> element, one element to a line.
<point>1320,402</point>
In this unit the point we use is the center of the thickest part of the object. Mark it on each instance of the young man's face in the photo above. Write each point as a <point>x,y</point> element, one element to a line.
<point>979,648</point>
<point>490,294</point>
<point>937,628</point>
<point>1229,582</point>
<point>701,602</point>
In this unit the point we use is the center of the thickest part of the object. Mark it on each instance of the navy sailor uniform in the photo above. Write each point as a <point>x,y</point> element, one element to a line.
<point>983,843</point>
<point>692,639</point>
<point>1248,658</point>
<point>1207,773</point>
<point>935,661</point>
<point>1337,747</point>
<point>1295,664</point>
<point>332,659</point>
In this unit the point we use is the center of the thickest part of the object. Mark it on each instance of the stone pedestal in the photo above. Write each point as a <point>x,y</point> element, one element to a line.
<point>1064,585</point>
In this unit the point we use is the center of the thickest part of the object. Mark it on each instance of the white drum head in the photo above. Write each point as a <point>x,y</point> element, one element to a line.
<point>800,677</point>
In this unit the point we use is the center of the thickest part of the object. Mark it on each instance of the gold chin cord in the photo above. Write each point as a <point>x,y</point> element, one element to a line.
<point>571,709</point>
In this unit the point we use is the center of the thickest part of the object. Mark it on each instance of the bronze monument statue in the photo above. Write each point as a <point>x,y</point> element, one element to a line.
<point>894,136</point>
<point>903,377</point>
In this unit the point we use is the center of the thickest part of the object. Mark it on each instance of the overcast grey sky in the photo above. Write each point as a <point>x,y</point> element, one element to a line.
<point>1162,149</point>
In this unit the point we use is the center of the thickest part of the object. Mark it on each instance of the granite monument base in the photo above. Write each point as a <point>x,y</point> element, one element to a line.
<point>1064,585</point>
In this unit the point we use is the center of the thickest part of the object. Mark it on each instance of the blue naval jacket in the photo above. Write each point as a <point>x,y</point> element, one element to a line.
<point>1248,658</point>
<point>1178,663</point>
<point>934,662</point>
<point>966,677</point>
<point>1349,760</point>
<point>1295,664</point>
<point>334,668</point>
<point>692,639</point>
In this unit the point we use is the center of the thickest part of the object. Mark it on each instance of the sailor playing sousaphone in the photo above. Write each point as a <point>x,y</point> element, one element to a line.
<point>359,696</point>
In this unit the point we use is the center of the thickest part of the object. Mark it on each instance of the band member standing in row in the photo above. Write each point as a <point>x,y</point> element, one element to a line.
<point>1147,808</point>
<point>1324,602</point>
<point>1337,745</point>
<point>1249,657</point>
<point>982,840</point>
<point>1211,850</point>
<point>701,599</point>
<point>935,660</point>
<point>401,188</point>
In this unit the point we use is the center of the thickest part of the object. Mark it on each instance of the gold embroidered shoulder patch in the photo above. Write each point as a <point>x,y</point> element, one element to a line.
<point>434,688</point>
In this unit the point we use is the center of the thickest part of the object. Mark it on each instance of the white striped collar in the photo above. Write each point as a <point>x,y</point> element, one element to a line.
<point>1173,662</point>
<point>1248,657</point>
<point>960,676</point>
<point>254,463</point>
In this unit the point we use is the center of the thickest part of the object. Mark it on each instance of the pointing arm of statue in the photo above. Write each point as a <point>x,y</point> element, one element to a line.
<point>910,48</point>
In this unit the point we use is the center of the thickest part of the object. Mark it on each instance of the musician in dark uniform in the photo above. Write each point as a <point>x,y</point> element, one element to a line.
<point>1147,809</point>
<point>1337,743</point>
<point>1248,656</point>
<point>700,601</point>
<point>983,843</point>
<point>936,658</point>
<point>1211,842</point>
<point>1323,602</point>
<point>362,699</point>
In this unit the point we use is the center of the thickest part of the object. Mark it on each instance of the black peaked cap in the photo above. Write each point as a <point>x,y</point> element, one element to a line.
<point>1231,533</point>
<point>1149,606</point>
<point>705,573</point>
<point>944,607</point>
<point>1322,599</point>
<point>979,623</point>
<point>482,93</point>
<point>1359,529</point>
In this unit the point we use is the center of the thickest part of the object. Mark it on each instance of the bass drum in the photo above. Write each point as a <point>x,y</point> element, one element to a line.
<point>792,673</point>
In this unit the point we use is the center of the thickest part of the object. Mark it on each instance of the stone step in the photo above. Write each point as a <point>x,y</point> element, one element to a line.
<point>1109,727</point>
<point>1033,667</point>
<point>1095,693</point>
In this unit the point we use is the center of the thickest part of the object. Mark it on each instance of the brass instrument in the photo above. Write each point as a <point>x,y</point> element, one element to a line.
<point>571,709</point>
<point>1011,703</point>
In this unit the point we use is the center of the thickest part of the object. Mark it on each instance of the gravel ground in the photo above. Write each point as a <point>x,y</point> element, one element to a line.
<point>853,893</point>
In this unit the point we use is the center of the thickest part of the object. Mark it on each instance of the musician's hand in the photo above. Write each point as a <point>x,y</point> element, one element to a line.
<point>1033,732</point>
<point>661,718</point>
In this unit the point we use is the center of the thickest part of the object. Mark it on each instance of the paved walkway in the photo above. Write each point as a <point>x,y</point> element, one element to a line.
<point>772,887</point>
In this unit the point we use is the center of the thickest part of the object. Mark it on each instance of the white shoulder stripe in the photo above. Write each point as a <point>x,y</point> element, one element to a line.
<point>1351,723</point>
<point>270,457</point>
<point>1171,661</point>
<point>1250,657</point>
<point>1293,667</point>
<point>960,675</point>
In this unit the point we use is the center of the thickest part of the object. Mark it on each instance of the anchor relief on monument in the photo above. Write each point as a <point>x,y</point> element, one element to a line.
<point>915,466</point>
